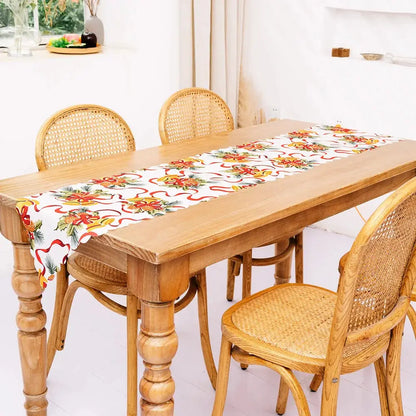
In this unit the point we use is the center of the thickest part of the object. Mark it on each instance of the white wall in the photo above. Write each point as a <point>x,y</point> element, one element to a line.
<point>135,73</point>
<point>288,59</point>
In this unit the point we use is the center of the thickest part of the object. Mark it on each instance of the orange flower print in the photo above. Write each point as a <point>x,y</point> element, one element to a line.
<point>360,140</point>
<point>150,205</point>
<point>82,196</point>
<point>118,181</point>
<point>33,228</point>
<point>292,162</point>
<point>232,157</point>
<point>75,221</point>
<point>185,183</point>
<point>337,129</point>
<point>245,170</point>
<point>240,187</point>
<point>309,147</point>
<point>302,134</point>
<point>253,146</point>
<point>187,163</point>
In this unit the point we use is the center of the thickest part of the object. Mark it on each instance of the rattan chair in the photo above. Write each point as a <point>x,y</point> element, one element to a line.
<point>411,314</point>
<point>196,112</point>
<point>310,329</point>
<point>76,134</point>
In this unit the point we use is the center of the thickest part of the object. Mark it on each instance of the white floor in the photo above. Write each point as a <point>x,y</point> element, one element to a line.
<point>88,377</point>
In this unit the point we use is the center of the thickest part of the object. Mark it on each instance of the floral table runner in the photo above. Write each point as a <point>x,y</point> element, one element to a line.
<point>58,221</point>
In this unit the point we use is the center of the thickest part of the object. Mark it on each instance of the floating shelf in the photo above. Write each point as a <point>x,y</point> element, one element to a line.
<point>375,6</point>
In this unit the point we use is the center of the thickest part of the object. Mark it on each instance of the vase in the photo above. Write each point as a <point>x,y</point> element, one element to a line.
<point>94,25</point>
<point>20,45</point>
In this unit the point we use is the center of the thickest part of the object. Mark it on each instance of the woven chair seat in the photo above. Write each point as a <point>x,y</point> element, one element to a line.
<point>283,316</point>
<point>97,275</point>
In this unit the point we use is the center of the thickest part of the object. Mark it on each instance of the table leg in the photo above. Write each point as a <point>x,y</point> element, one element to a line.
<point>31,320</point>
<point>283,268</point>
<point>157,344</point>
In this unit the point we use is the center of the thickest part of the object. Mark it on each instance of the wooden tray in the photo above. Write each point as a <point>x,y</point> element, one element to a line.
<point>74,51</point>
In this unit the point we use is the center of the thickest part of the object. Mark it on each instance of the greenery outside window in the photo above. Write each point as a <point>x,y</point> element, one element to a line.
<point>49,17</point>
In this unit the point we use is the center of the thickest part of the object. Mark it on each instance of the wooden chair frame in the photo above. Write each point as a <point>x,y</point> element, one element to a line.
<point>367,344</point>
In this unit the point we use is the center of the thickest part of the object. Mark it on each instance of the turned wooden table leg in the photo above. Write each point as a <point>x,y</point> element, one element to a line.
<point>31,320</point>
<point>157,344</point>
<point>283,268</point>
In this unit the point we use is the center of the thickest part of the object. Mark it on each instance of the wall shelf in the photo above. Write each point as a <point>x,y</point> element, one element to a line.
<point>375,6</point>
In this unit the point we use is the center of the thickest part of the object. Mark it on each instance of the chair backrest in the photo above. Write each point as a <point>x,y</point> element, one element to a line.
<point>81,132</point>
<point>378,277</point>
<point>191,113</point>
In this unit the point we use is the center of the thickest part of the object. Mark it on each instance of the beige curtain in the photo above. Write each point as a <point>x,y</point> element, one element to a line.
<point>211,46</point>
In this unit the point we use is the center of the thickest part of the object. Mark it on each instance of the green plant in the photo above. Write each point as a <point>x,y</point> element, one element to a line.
<point>6,16</point>
<point>57,16</point>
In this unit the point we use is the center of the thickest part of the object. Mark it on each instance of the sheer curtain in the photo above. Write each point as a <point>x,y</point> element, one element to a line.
<point>211,46</point>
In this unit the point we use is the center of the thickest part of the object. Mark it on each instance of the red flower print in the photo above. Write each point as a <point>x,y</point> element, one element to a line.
<point>309,147</point>
<point>360,140</point>
<point>231,157</point>
<point>182,164</point>
<point>292,162</point>
<point>83,196</point>
<point>150,205</point>
<point>245,170</point>
<point>110,181</point>
<point>301,134</point>
<point>182,182</point>
<point>252,146</point>
<point>337,129</point>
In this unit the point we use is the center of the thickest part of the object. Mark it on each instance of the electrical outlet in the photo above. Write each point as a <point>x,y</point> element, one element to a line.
<point>272,112</point>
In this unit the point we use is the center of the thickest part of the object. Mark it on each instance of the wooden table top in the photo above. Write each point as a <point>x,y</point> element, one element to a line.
<point>186,231</point>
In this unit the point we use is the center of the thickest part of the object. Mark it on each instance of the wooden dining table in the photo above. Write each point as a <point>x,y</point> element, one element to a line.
<point>160,255</point>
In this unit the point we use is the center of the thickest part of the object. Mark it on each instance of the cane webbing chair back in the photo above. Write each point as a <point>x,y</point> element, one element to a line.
<point>79,133</point>
<point>379,258</point>
<point>191,113</point>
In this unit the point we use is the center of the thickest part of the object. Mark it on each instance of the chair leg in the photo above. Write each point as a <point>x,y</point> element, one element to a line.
<point>201,280</point>
<point>66,308</point>
<point>282,397</point>
<point>330,391</point>
<point>223,375</point>
<point>394,394</point>
<point>247,269</point>
<point>382,388</point>
<point>411,314</point>
<point>230,279</point>
<point>289,382</point>
<point>316,382</point>
<point>247,266</point>
<point>61,288</point>
<point>299,257</point>
<point>131,355</point>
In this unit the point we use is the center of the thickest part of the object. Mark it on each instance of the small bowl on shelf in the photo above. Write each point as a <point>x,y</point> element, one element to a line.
<point>372,56</point>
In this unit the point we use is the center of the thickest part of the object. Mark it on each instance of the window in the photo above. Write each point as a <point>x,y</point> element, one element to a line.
<point>49,17</point>
<point>60,16</point>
